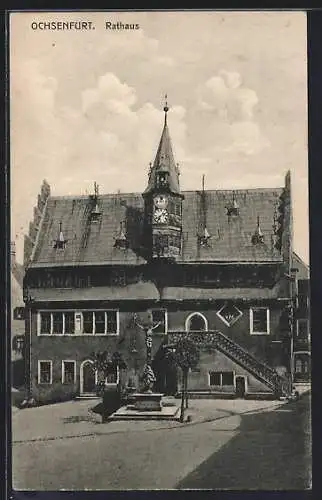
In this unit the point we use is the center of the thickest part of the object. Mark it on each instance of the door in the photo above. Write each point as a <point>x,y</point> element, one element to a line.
<point>165,373</point>
<point>240,387</point>
<point>88,379</point>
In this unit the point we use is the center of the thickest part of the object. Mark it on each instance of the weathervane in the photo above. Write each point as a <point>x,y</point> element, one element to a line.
<point>165,108</point>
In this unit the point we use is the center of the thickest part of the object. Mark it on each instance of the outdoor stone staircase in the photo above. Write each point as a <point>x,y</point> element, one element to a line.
<point>280,385</point>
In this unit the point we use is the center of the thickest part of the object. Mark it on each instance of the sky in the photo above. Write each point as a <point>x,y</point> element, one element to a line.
<point>87,106</point>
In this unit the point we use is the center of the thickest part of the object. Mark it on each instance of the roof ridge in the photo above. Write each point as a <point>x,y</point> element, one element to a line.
<point>137,193</point>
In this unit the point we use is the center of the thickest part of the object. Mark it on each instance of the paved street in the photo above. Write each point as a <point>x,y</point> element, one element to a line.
<point>241,445</point>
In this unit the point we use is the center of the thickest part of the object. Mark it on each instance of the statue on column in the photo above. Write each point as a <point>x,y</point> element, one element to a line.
<point>147,378</point>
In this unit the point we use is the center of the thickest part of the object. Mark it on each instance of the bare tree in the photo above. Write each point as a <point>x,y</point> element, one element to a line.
<point>185,355</point>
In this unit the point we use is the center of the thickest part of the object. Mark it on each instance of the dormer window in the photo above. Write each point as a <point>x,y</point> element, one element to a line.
<point>233,208</point>
<point>121,240</point>
<point>60,242</point>
<point>258,236</point>
<point>204,238</point>
<point>95,213</point>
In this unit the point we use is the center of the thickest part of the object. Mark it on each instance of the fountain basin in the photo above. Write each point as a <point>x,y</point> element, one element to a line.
<point>147,401</point>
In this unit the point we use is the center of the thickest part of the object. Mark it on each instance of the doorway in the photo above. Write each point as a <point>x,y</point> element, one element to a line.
<point>88,378</point>
<point>166,374</point>
<point>240,387</point>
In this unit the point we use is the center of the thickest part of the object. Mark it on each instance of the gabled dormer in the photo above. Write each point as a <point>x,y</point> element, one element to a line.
<point>163,201</point>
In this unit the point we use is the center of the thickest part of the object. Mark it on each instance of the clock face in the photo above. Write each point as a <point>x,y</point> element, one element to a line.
<point>160,216</point>
<point>161,201</point>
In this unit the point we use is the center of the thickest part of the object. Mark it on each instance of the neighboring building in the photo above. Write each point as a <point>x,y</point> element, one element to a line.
<point>302,335</point>
<point>17,321</point>
<point>216,263</point>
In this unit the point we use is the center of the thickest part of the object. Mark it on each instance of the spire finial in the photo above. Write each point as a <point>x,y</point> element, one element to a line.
<point>165,108</point>
<point>96,189</point>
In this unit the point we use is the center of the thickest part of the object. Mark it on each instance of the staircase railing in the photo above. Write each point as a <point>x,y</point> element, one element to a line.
<point>279,384</point>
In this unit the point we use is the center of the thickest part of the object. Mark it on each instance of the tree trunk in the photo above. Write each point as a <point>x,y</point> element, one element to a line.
<point>182,398</point>
<point>186,389</point>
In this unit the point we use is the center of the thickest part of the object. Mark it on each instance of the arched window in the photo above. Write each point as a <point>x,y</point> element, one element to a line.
<point>196,322</point>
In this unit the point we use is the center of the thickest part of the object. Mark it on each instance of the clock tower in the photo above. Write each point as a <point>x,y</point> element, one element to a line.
<point>163,202</point>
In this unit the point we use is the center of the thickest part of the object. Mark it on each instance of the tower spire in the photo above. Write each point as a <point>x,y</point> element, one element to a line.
<point>164,173</point>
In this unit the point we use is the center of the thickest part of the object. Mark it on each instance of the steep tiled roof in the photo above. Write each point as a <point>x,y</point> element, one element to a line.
<point>87,241</point>
<point>91,243</point>
<point>303,272</point>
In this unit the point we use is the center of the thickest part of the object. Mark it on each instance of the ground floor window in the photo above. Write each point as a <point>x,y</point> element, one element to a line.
<point>221,378</point>
<point>45,372</point>
<point>259,321</point>
<point>68,372</point>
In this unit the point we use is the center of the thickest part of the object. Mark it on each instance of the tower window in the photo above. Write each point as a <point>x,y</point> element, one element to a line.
<point>160,243</point>
<point>162,179</point>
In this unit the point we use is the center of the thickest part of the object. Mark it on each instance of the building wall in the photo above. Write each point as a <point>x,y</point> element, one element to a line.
<point>131,344</point>
<point>78,348</point>
<point>217,362</point>
<point>261,346</point>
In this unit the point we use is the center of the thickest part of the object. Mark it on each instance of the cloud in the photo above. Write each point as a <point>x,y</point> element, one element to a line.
<point>90,108</point>
<point>109,139</point>
<point>225,94</point>
<point>230,107</point>
<point>247,138</point>
<point>116,96</point>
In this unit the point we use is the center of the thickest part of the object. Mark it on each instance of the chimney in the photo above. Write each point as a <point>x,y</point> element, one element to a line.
<point>13,253</point>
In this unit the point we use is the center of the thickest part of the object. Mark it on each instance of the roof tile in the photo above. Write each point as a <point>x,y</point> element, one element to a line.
<point>93,242</point>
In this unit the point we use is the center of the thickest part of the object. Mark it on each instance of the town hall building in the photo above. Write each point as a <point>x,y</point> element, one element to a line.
<point>216,264</point>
